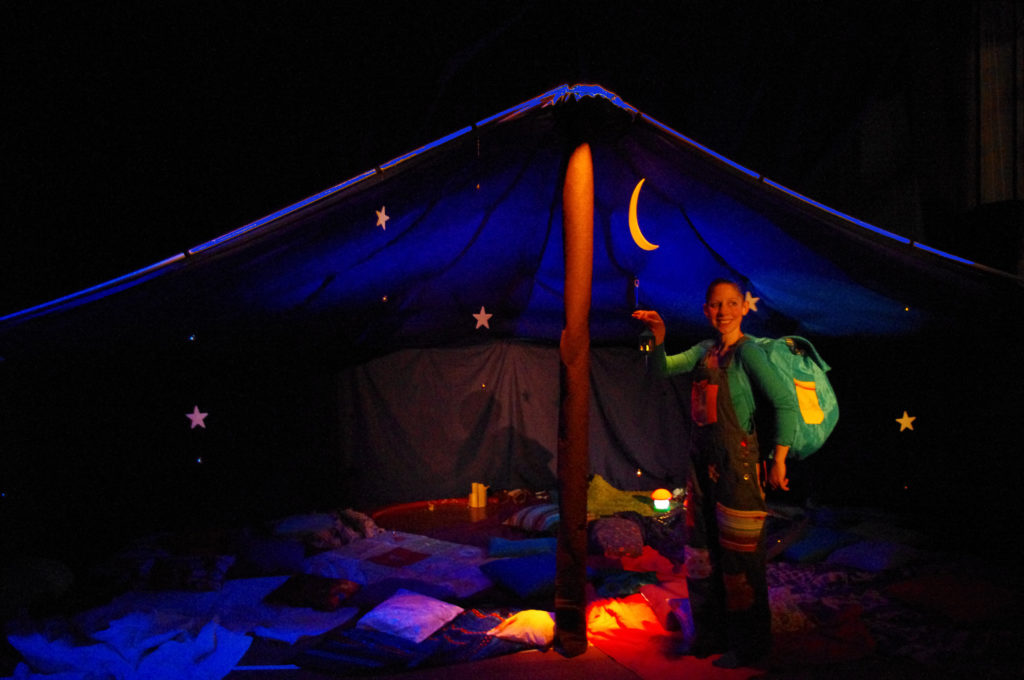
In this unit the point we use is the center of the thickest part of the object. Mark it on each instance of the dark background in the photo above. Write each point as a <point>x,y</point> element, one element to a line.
<point>136,131</point>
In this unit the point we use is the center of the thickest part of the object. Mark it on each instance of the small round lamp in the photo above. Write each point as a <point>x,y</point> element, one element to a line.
<point>662,498</point>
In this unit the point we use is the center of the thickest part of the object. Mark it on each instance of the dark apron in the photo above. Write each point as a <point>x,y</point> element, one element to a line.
<point>726,512</point>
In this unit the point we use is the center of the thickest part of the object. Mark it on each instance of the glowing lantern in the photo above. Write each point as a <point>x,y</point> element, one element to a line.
<point>661,498</point>
<point>646,344</point>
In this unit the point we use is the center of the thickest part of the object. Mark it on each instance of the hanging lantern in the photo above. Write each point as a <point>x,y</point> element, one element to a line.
<point>646,341</point>
<point>662,499</point>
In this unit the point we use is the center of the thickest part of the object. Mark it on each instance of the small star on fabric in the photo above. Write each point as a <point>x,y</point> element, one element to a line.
<point>382,217</point>
<point>198,419</point>
<point>483,318</point>
<point>713,472</point>
<point>906,422</point>
<point>752,301</point>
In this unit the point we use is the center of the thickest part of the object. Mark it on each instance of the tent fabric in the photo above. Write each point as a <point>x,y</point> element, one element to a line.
<point>340,344</point>
<point>433,421</point>
<point>476,221</point>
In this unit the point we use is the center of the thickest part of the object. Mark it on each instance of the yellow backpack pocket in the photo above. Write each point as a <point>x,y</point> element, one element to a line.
<point>807,399</point>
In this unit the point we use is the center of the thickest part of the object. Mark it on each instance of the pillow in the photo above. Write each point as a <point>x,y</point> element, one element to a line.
<point>310,590</point>
<point>542,517</point>
<point>503,547</point>
<point>410,616</point>
<point>530,627</point>
<point>616,537</point>
<point>817,544</point>
<point>873,555</point>
<point>528,576</point>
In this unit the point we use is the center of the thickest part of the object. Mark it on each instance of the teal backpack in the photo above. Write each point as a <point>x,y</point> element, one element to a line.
<point>799,364</point>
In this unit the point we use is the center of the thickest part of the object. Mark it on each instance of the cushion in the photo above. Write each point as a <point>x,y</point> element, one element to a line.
<point>817,544</point>
<point>310,590</point>
<point>616,537</point>
<point>530,627</point>
<point>503,547</point>
<point>410,616</point>
<point>540,518</point>
<point>528,576</point>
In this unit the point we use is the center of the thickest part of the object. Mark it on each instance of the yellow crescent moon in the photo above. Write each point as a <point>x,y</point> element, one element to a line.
<point>634,225</point>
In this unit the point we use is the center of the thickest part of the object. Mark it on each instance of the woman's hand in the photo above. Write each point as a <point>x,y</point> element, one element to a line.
<point>653,321</point>
<point>777,474</point>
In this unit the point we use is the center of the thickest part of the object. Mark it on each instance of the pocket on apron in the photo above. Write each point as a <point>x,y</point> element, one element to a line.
<point>704,402</point>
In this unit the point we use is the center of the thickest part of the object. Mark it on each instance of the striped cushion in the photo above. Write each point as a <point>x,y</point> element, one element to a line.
<point>539,518</point>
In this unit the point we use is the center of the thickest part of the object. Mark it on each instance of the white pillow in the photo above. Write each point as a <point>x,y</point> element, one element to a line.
<point>410,616</point>
<point>530,626</point>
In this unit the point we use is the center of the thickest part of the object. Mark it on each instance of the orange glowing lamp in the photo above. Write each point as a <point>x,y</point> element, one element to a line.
<point>661,498</point>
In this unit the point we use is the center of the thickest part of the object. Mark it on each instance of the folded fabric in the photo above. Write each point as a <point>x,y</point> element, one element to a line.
<point>620,583</point>
<point>671,604</point>
<point>504,547</point>
<point>310,590</point>
<point>355,651</point>
<point>138,646</point>
<point>399,557</point>
<point>604,500</point>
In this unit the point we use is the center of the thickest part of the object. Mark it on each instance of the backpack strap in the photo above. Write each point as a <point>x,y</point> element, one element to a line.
<point>801,345</point>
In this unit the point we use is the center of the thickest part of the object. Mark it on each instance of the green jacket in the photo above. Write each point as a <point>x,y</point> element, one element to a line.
<point>752,381</point>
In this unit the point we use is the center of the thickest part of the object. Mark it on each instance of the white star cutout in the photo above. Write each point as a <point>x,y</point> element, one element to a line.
<point>752,301</point>
<point>906,422</point>
<point>197,418</point>
<point>382,217</point>
<point>483,318</point>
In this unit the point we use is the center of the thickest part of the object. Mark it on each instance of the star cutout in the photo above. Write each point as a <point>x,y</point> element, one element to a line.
<point>906,422</point>
<point>382,217</point>
<point>752,301</point>
<point>197,418</point>
<point>483,318</point>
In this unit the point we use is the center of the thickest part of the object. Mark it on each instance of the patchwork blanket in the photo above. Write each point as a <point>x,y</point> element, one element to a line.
<point>851,593</point>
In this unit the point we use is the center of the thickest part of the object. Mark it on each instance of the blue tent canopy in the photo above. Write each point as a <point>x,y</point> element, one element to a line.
<point>393,337</point>
<point>474,220</point>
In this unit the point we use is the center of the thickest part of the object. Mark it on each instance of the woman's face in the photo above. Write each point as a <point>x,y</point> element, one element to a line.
<point>725,308</point>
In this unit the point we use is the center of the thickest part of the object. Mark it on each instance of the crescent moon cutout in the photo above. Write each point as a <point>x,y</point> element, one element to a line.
<point>634,225</point>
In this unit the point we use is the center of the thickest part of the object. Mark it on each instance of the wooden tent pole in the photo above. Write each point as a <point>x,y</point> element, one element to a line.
<point>574,412</point>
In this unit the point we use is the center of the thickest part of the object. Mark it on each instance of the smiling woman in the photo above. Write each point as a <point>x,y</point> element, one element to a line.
<point>725,552</point>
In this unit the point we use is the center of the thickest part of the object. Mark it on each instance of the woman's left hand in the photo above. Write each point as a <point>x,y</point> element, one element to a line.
<point>777,475</point>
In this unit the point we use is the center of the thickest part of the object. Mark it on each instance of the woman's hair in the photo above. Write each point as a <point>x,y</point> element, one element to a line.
<point>721,281</point>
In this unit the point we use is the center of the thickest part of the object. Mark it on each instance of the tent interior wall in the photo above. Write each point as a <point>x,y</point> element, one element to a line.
<point>341,366</point>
